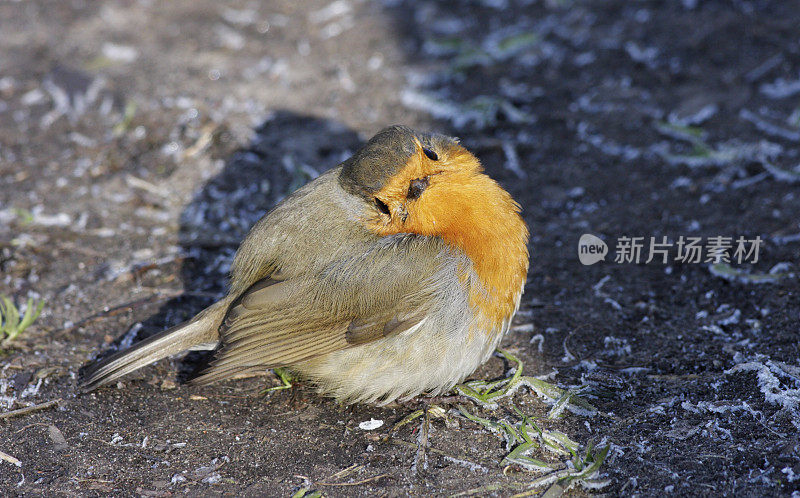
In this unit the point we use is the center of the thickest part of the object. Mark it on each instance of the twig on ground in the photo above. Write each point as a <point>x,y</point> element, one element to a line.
<point>30,409</point>
<point>400,442</point>
<point>357,483</point>
<point>35,424</point>
<point>10,459</point>
<point>345,472</point>
<point>341,474</point>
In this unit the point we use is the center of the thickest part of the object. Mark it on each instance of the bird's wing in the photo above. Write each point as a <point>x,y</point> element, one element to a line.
<point>387,290</point>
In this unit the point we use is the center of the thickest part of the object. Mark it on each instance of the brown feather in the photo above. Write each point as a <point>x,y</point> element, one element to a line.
<point>282,322</point>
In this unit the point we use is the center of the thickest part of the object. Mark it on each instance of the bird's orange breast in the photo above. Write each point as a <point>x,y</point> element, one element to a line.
<point>469,210</point>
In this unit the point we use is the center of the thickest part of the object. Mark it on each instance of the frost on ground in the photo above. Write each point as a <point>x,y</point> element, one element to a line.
<point>779,382</point>
<point>139,141</point>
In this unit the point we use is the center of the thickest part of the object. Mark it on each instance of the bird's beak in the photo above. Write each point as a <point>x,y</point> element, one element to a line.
<point>401,212</point>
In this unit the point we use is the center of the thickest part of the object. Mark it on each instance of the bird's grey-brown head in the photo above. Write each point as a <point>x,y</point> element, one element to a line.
<point>385,154</point>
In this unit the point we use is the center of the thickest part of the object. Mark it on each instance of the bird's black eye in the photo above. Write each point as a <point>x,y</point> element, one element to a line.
<point>431,154</point>
<point>417,187</point>
<point>382,207</point>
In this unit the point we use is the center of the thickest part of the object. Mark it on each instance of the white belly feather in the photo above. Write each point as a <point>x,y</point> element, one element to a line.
<point>430,357</point>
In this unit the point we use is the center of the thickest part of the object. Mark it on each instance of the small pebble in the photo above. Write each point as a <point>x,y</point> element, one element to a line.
<point>370,425</point>
<point>59,442</point>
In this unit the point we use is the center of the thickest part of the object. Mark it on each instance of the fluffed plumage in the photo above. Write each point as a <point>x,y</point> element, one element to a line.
<point>396,273</point>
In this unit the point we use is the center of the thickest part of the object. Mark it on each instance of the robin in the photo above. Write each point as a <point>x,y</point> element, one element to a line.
<point>394,274</point>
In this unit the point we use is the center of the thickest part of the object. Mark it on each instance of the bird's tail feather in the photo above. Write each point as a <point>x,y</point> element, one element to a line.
<point>198,333</point>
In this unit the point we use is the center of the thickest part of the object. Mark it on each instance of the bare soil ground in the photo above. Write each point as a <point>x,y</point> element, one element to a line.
<point>139,140</point>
